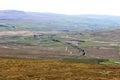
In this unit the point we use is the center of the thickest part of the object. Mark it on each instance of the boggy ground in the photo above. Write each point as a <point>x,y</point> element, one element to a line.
<point>22,69</point>
<point>32,52</point>
<point>54,53</point>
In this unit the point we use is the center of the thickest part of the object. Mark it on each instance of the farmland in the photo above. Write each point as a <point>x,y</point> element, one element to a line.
<point>43,45</point>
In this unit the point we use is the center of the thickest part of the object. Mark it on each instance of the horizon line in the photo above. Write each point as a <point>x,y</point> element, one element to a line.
<point>59,13</point>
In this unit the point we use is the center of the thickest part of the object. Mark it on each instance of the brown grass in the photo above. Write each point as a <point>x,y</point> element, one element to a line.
<point>26,33</point>
<point>23,33</point>
<point>12,69</point>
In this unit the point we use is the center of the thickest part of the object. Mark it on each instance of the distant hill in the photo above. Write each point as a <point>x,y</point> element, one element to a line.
<point>20,20</point>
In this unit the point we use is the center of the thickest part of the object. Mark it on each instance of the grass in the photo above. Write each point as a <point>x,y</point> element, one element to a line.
<point>43,41</point>
<point>86,44</point>
<point>111,62</point>
<point>85,60</point>
<point>22,69</point>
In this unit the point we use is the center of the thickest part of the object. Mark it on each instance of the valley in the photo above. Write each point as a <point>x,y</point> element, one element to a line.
<point>48,46</point>
<point>42,44</point>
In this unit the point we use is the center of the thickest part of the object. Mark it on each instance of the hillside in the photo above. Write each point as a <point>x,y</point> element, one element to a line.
<point>14,69</point>
<point>49,46</point>
<point>20,20</point>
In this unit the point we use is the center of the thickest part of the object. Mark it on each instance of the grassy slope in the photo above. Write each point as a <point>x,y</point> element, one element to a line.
<point>54,70</point>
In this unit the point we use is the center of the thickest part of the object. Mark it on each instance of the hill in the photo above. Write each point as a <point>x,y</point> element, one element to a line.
<point>14,69</point>
<point>20,20</point>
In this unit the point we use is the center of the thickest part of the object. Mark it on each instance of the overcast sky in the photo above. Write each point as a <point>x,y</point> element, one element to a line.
<point>107,7</point>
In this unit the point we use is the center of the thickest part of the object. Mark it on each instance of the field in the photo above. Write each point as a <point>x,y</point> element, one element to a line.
<point>57,56</point>
<point>20,69</point>
<point>56,45</point>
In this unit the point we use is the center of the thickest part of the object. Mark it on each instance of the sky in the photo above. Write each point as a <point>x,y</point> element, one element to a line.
<point>72,7</point>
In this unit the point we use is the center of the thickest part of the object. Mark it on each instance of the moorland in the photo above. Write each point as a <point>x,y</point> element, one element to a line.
<point>48,46</point>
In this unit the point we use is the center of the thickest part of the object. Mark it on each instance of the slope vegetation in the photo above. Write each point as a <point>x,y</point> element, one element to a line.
<point>12,69</point>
